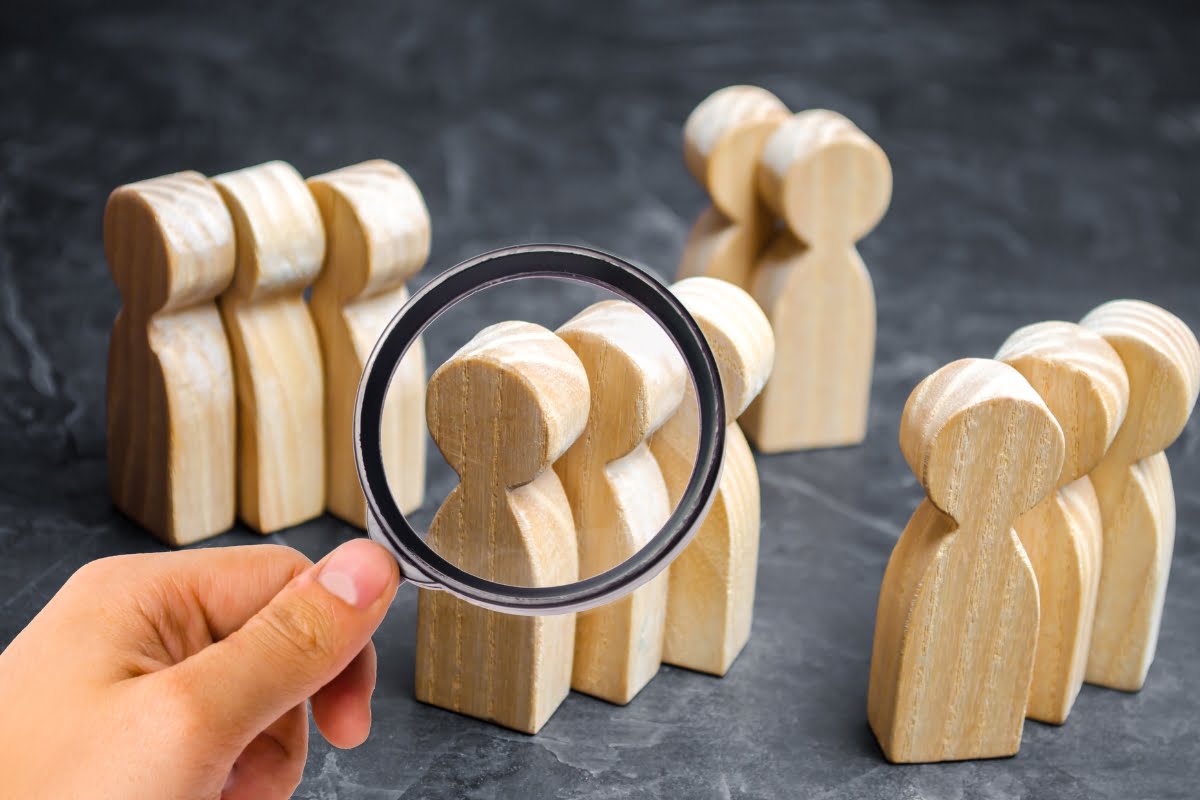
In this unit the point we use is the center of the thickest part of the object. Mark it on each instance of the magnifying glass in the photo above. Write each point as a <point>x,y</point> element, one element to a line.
<point>386,524</point>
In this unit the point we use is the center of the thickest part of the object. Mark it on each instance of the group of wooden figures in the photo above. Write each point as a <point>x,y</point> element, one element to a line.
<point>597,427</point>
<point>1039,559</point>
<point>228,394</point>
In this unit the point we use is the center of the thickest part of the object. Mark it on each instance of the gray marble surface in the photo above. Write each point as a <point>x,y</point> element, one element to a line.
<point>1046,158</point>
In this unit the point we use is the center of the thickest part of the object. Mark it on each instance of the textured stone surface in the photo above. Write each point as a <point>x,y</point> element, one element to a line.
<point>1046,159</point>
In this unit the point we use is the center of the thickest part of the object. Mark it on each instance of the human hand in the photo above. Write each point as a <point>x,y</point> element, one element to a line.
<point>186,675</point>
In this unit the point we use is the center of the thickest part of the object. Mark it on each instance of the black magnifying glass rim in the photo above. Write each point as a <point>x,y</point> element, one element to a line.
<point>419,563</point>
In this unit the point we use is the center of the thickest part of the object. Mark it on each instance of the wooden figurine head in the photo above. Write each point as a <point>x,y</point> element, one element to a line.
<point>722,140</point>
<point>280,238</point>
<point>638,376</point>
<point>1083,382</point>
<point>738,333</point>
<point>982,442</point>
<point>169,242</point>
<point>1162,359</point>
<point>377,228</point>
<point>506,406</point>
<point>829,181</point>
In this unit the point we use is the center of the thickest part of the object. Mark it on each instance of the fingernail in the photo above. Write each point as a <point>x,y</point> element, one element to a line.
<point>357,572</point>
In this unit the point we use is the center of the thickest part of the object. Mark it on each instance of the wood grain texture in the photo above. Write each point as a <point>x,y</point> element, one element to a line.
<point>718,248</point>
<point>1133,483</point>
<point>377,237</point>
<point>710,600</point>
<point>501,410</point>
<point>831,184</point>
<point>957,625</point>
<point>276,354</point>
<point>616,489</point>
<point>723,140</point>
<point>1083,382</point>
<point>171,411</point>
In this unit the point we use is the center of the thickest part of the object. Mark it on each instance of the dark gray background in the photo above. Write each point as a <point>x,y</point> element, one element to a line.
<point>1045,160</point>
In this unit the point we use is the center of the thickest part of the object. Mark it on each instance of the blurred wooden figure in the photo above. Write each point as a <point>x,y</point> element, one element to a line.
<point>957,624</point>
<point>710,602</point>
<point>616,489</point>
<point>501,410</point>
<point>377,237</point>
<point>831,184</point>
<point>1082,381</point>
<point>723,140</point>
<point>169,242</point>
<point>276,354</point>
<point>1133,482</point>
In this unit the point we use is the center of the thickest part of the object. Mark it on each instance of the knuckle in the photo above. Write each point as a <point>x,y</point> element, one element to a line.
<point>184,707</point>
<point>299,631</point>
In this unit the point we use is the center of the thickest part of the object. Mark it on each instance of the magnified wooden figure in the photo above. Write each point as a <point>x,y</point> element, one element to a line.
<point>501,410</point>
<point>169,242</point>
<point>616,489</point>
<point>1133,483</point>
<point>377,237</point>
<point>276,353</point>
<point>1083,382</point>
<point>957,625</point>
<point>710,601</point>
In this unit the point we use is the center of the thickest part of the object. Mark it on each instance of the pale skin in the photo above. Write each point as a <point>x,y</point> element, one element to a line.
<point>188,674</point>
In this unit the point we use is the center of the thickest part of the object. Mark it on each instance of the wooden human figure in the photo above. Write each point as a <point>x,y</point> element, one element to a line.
<point>1082,381</point>
<point>377,237</point>
<point>723,139</point>
<point>169,242</point>
<point>1133,482</point>
<point>276,354</point>
<point>616,489</point>
<point>501,410</point>
<point>958,609</point>
<point>830,184</point>
<point>710,600</point>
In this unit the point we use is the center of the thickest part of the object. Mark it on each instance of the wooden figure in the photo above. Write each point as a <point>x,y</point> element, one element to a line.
<point>501,410</point>
<point>723,139</point>
<point>276,354</point>
<point>1133,482</point>
<point>958,608</point>
<point>616,489</point>
<point>377,237</point>
<point>831,184</point>
<point>169,242</point>
<point>710,600</point>
<point>1082,381</point>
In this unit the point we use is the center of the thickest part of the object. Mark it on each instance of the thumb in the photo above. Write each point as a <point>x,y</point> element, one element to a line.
<point>300,641</point>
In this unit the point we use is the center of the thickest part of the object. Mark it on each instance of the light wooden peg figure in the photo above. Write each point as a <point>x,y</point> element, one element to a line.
<point>169,242</point>
<point>723,139</point>
<point>1133,482</point>
<point>276,354</point>
<point>501,410</point>
<point>616,489</point>
<point>1082,381</point>
<point>377,237</point>
<point>710,602</point>
<point>957,624</point>
<point>831,184</point>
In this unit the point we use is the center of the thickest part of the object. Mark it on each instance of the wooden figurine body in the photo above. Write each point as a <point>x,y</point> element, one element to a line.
<point>1082,381</point>
<point>710,600</point>
<point>830,184</point>
<point>501,410</point>
<point>276,354</point>
<point>1133,483</point>
<point>616,489</point>
<point>171,425</point>
<point>377,230</point>
<point>723,139</point>
<point>957,625</point>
